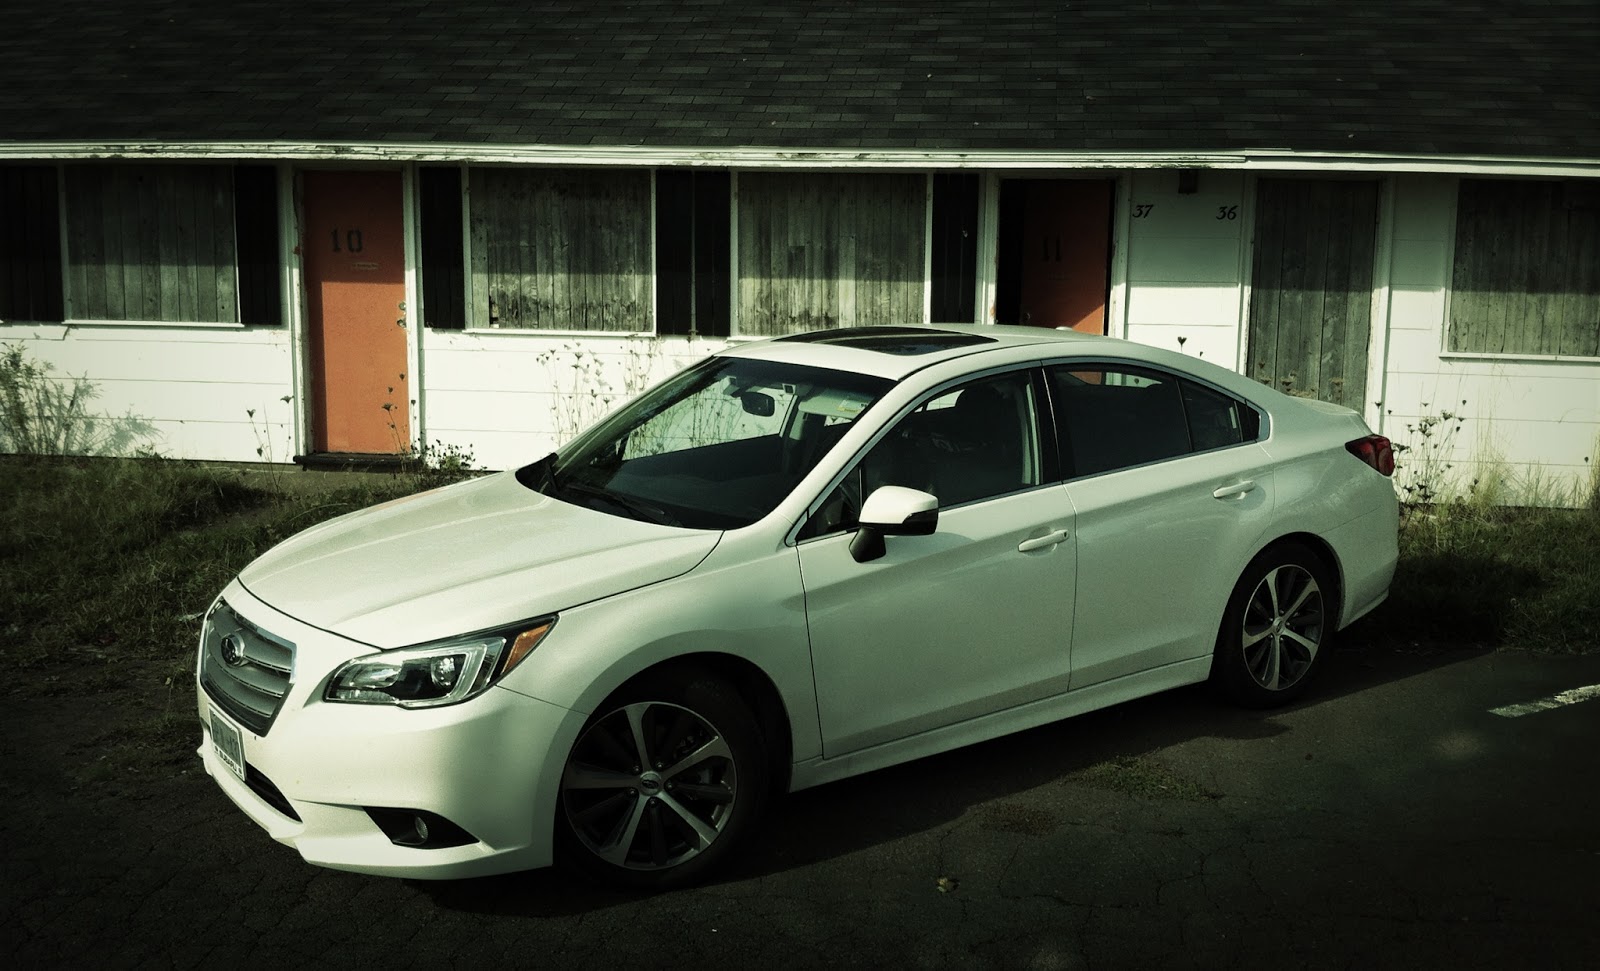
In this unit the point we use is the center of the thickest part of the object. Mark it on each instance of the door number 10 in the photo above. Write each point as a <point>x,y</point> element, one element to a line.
<point>352,240</point>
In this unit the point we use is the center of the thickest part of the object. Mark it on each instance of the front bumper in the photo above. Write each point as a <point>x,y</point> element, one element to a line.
<point>490,765</point>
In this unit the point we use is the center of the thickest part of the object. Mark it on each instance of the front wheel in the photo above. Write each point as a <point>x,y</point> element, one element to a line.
<point>1278,625</point>
<point>663,783</point>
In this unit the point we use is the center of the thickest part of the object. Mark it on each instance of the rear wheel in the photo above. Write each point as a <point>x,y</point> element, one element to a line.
<point>663,783</point>
<point>1278,626</point>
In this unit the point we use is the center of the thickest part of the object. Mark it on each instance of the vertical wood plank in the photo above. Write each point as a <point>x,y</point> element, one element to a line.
<point>1334,205</point>
<point>131,186</point>
<point>196,247</point>
<point>1581,318</point>
<point>80,200</point>
<point>1364,198</point>
<point>168,257</point>
<point>112,302</point>
<point>225,261</point>
<point>478,218</point>
<point>205,295</point>
<point>149,245</point>
<point>1261,349</point>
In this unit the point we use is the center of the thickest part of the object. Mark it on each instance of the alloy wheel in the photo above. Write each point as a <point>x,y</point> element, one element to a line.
<point>1283,627</point>
<point>650,786</point>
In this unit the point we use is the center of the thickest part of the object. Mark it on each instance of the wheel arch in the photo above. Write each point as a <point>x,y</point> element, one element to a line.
<point>755,688</point>
<point>1323,550</point>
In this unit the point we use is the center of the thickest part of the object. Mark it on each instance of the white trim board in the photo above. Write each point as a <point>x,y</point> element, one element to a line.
<point>1273,159</point>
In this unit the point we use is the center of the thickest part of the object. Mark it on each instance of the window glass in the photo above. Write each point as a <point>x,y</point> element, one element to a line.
<point>716,447</point>
<point>973,442</point>
<point>30,243</point>
<point>1215,420</point>
<point>444,300</point>
<point>723,412</point>
<point>692,258</point>
<point>1114,417</point>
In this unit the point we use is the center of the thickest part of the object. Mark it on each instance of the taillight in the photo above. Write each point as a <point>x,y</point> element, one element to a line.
<point>1375,450</point>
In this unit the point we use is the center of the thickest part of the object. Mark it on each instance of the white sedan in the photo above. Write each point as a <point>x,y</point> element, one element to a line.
<point>795,561</point>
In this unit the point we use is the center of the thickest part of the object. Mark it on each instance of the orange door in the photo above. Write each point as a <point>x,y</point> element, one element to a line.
<point>1066,248</point>
<point>353,253</point>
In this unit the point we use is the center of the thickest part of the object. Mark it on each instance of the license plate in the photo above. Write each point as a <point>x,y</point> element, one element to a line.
<point>227,744</point>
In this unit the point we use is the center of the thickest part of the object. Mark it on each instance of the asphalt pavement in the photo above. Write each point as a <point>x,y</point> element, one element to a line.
<point>1419,809</point>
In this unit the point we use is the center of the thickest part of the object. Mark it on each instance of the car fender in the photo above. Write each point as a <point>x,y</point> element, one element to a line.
<point>743,602</point>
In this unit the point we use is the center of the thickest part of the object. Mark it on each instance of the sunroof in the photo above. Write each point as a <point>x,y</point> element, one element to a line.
<point>899,341</point>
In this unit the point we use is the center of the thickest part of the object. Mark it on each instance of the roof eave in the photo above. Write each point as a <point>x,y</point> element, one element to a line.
<point>1262,159</point>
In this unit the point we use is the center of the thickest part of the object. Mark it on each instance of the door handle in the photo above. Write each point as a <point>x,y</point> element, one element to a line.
<point>1234,491</point>
<point>1040,542</point>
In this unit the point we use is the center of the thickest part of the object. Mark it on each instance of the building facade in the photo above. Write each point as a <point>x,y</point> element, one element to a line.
<point>279,298</point>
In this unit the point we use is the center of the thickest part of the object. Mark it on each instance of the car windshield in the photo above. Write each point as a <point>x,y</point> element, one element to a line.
<point>717,446</point>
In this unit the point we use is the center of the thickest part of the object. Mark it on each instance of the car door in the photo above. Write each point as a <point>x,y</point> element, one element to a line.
<point>974,618</point>
<point>1173,495</point>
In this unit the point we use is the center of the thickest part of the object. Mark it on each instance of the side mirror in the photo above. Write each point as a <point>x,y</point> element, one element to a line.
<point>892,511</point>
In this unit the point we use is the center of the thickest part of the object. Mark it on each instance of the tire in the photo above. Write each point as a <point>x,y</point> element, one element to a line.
<point>673,814</point>
<point>1278,626</point>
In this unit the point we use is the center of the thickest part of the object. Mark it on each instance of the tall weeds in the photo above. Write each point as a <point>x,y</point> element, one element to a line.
<point>41,414</point>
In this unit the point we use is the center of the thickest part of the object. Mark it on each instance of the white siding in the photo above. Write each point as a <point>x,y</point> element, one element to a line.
<point>510,398</point>
<point>1531,424</point>
<point>193,388</point>
<point>1184,264</point>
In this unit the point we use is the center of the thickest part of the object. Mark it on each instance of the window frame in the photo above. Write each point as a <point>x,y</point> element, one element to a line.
<point>255,271</point>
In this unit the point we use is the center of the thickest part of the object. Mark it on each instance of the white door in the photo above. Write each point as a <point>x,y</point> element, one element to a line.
<point>1172,495</point>
<point>976,617</point>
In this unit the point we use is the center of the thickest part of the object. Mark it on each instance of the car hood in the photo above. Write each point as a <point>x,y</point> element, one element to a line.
<point>465,558</point>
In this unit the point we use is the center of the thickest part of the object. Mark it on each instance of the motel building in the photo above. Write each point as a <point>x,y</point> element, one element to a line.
<point>337,233</point>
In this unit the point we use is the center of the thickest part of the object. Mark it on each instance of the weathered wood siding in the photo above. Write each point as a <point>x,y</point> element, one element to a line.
<point>1311,289</point>
<point>560,250</point>
<point>151,243</point>
<point>829,250</point>
<point>1526,274</point>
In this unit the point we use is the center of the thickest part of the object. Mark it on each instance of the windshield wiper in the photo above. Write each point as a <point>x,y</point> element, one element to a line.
<point>632,505</point>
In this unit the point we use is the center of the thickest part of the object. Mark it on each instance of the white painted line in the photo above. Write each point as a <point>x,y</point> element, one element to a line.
<point>1571,697</point>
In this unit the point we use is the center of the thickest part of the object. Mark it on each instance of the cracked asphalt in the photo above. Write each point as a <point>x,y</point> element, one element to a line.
<point>1389,820</point>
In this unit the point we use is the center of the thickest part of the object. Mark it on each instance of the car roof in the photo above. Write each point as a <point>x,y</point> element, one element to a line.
<point>895,352</point>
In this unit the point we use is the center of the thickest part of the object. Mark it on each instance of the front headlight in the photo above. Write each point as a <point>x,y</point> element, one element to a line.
<point>435,674</point>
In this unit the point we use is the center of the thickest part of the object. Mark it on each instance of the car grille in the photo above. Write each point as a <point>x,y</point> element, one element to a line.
<point>244,670</point>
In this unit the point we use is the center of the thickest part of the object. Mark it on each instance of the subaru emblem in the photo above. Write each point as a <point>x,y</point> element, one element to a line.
<point>232,650</point>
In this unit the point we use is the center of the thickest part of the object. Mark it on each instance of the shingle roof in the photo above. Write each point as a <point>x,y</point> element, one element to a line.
<point>1444,77</point>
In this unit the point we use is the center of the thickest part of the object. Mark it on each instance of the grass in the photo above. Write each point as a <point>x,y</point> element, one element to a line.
<point>114,560</point>
<point>1474,573</point>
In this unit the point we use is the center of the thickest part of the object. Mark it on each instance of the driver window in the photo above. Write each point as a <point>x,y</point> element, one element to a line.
<point>973,442</point>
